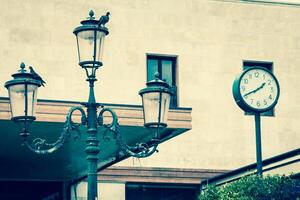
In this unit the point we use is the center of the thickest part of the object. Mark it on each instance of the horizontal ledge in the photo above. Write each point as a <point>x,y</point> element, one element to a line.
<point>157,175</point>
<point>105,104</point>
<point>128,115</point>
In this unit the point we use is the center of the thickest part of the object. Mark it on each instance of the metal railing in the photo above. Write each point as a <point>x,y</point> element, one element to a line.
<point>269,164</point>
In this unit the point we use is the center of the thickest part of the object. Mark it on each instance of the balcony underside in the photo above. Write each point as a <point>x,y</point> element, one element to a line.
<point>69,162</point>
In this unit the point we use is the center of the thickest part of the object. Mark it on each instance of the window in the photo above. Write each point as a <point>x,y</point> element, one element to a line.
<point>166,67</point>
<point>268,65</point>
<point>147,191</point>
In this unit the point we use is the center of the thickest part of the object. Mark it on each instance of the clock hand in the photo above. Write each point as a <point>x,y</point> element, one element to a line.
<point>260,87</point>
<point>255,90</point>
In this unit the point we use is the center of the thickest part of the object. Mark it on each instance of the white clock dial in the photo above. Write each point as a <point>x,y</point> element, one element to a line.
<point>258,89</point>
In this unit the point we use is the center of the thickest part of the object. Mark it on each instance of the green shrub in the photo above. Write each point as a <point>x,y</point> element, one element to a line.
<point>255,188</point>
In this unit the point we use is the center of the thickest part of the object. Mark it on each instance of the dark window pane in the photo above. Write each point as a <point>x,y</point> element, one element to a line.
<point>160,192</point>
<point>268,65</point>
<point>166,70</point>
<point>152,67</point>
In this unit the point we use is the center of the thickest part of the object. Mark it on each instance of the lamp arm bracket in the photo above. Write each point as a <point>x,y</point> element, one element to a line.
<point>41,146</point>
<point>114,125</point>
<point>140,150</point>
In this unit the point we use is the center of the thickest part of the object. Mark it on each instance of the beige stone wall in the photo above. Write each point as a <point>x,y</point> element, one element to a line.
<point>210,38</point>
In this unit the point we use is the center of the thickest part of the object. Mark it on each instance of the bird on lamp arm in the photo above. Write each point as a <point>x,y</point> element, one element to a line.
<point>103,20</point>
<point>36,76</point>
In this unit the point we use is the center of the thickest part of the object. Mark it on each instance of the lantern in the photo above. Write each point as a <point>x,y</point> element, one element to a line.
<point>156,102</point>
<point>22,90</point>
<point>90,40</point>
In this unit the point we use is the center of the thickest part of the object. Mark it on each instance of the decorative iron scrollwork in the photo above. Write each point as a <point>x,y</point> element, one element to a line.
<point>41,146</point>
<point>140,150</point>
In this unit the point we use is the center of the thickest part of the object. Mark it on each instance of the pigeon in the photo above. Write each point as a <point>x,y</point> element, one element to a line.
<point>36,76</point>
<point>104,19</point>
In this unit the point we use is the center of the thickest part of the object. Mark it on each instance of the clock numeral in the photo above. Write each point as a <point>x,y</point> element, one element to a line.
<point>245,81</point>
<point>264,76</point>
<point>272,89</point>
<point>269,82</point>
<point>265,102</point>
<point>243,88</point>
<point>258,103</point>
<point>251,101</point>
<point>270,97</point>
<point>256,74</point>
<point>250,76</point>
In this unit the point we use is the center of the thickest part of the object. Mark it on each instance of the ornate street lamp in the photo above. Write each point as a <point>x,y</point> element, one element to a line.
<point>156,101</point>
<point>22,92</point>
<point>23,97</point>
<point>90,40</point>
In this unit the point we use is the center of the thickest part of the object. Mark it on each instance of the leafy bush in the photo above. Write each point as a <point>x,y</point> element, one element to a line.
<point>255,188</point>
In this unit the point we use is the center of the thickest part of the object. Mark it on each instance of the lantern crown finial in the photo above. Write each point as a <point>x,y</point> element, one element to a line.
<point>157,79</point>
<point>22,66</point>
<point>156,75</point>
<point>91,15</point>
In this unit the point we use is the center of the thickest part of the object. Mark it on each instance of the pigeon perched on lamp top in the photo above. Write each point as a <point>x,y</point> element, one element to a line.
<point>36,76</point>
<point>103,19</point>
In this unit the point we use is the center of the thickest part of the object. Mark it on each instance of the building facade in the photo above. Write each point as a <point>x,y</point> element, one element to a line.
<point>198,46</point>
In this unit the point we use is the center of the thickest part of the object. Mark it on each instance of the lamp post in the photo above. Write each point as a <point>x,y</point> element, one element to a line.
<point>90,37</point>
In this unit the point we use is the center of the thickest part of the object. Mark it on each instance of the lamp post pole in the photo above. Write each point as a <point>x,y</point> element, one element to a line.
<point>92,142</point>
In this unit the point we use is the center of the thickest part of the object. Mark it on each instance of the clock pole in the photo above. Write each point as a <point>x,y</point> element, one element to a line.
<point>258,144</point>
<point>267,88</point>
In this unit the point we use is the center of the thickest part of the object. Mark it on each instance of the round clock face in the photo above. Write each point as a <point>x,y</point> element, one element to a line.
<point>259,89</point>
<point>256,90</point>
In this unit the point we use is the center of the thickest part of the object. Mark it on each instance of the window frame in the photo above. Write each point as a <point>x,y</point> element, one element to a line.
<point>161,186</point>
<point>159,59</point>
<point>173,59</point>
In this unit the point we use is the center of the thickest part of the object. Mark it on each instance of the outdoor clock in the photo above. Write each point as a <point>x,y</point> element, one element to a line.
<point>256,90</point>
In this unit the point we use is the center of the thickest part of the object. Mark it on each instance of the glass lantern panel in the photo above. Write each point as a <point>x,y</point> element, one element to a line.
<point>17,99</point>
<point>165,104</point>
<point>151,107</point>
<point>100,43</point>
<point>87,49</point>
